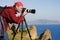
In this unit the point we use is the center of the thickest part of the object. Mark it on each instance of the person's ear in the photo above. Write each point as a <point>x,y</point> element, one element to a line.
<point>16,7</point>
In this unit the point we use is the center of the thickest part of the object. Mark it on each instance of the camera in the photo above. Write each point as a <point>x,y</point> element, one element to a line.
<point>29,10</point>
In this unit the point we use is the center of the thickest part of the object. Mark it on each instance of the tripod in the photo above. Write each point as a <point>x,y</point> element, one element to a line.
<point>27,29</point>
<point>15,32</point>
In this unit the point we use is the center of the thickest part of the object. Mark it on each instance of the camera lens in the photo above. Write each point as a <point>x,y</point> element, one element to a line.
<point>29,11</point>
<point>32,11</point>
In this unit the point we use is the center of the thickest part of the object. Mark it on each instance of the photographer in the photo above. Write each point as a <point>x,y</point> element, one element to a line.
<point>9,14</point>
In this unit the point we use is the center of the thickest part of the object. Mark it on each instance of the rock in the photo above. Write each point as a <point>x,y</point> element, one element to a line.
<point>46,35</point>
<point>33,32</point>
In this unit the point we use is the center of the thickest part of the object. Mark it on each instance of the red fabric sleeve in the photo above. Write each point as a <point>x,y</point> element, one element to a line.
<point>14,18</point>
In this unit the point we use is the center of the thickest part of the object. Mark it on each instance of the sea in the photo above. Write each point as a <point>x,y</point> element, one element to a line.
<point>54,29</point>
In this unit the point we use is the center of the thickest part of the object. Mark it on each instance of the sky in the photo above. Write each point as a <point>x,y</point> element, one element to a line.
<point>45,9</point>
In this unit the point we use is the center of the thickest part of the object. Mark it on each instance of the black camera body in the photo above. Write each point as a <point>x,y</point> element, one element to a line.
<point>29,10</point>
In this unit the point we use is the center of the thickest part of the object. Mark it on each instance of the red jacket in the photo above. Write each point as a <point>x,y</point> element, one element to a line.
<point>9,14</point>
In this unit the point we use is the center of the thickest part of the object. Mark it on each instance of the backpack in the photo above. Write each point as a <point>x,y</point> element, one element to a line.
<point>1,23</point>
<point>2,8</point>
<point>1,27</point>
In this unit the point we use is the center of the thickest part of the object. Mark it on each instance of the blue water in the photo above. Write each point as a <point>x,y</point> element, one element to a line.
<point>55,30</point>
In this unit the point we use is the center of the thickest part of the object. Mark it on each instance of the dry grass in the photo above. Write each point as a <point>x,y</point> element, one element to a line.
<point>18,35</point>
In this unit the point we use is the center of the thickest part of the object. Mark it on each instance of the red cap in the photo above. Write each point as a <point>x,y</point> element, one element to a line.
<point>18,4</point>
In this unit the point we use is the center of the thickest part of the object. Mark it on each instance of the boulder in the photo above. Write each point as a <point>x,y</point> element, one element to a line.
<point>46,35</point>
<point>33,32</point>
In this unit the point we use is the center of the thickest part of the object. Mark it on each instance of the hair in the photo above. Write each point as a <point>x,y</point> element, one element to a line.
<point>14,6</point>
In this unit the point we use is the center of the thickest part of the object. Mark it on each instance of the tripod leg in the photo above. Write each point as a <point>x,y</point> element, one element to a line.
<point>22,32</point>
<point>27,29</point>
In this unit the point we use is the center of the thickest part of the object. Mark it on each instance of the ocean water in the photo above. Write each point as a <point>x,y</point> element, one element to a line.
<point>54,28</point>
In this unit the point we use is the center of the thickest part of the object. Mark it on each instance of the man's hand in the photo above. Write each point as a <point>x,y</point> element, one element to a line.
<point>25,13</point>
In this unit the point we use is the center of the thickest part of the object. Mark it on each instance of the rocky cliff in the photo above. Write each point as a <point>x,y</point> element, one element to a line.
<point>46,35</point>
<point>33,32</point>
